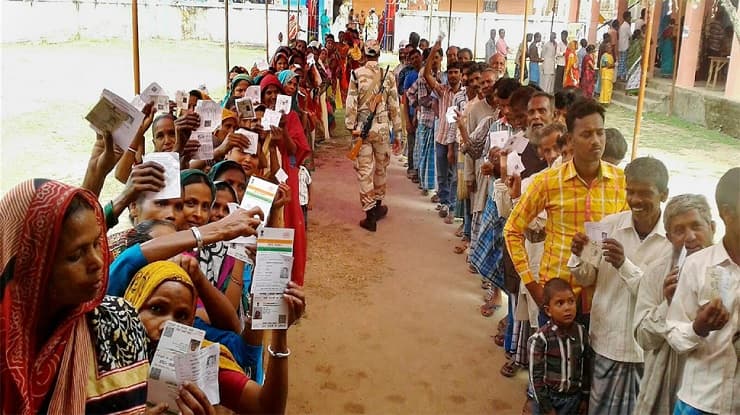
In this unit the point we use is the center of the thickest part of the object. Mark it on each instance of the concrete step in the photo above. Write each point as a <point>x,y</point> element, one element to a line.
<point>650,92</point>
<point>630,102</point>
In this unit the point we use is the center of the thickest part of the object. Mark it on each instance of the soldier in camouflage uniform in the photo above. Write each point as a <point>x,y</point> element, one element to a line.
<point>374,156</point>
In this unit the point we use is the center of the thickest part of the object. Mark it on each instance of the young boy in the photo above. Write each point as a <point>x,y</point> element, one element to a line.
<point>304,191</point>
<point>704,316</point>
<point>559,347</point>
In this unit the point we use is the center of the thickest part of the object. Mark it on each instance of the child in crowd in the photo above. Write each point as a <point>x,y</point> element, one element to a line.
<point>615,147</point>
<point>560,362</point>
<point>304,191</point>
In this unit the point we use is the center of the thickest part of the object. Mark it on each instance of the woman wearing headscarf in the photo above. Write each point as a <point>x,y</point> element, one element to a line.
<point>291,141</point>
<point>279,62</point>
<point>237,88</point>
<point>169,288</point>
<point>572,71</point>
<point>60,337</point>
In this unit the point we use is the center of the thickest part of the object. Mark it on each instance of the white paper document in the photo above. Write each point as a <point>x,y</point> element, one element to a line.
<point>171,164</point>
<point>517,142</point>
<point>718,283</point>
<point>200,367</point>
<point>281,176</point>
<point>253,140</point>
<point>498,138</point>
<point>282,104</point>
<point>451,115</point>
<point>514,165</point>
<point>596,231</point>
<point>260,193</point>
<point>117,116</point>
<point>152,91</point>
<point>272,273</point>
<point>205,138</point>
<point>263,66</point>
<point>210,114</point>
<point>253,92</point>
<point>271,118</point>
<point>181,98</point>
<point>592,253</point>
<point>168,370</point>
<point>239,251</point>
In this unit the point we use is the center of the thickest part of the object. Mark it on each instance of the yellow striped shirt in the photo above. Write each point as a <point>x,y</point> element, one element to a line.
<point>569,203</point>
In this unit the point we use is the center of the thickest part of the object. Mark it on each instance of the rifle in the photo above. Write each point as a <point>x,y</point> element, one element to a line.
<point>374,102</point>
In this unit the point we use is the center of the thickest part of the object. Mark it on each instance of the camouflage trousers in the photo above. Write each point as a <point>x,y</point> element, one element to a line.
<point>370,166</point>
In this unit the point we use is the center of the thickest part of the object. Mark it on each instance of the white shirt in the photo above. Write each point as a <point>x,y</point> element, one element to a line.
<point>616,289</point>
<point>548,58</point>
<point>304,179</point>
<point>625,33</point>
<point>639,24</point>
<point>560,58</point>
<point>711,381</point>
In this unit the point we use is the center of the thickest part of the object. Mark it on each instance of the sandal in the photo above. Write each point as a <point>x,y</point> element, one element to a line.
<point>499,340</point>
<point>486,285</point>
<point>509,369</point>
<point>435,199</point>
<point>459,249</point>
<point>502,324</point>
<point>487,310</point>
<point>459,232</point>
<point>472,269</point>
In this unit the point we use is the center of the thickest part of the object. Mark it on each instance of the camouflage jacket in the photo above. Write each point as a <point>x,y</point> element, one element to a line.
<point>364,83</point>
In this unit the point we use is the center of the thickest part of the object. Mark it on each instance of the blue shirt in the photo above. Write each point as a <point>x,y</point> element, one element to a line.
<point>123,269</point>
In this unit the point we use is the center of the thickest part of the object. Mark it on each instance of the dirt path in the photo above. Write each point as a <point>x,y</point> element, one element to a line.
<point>393,325</point>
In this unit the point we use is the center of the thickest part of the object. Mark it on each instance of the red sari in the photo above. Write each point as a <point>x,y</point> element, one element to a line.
<point>292,213</point>
<point>58,377</point>
<point>588,79</point>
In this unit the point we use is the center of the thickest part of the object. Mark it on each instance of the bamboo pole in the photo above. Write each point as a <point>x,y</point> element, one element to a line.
<point>449,25</point>
<point>267,32</point>
<point>475,37</point>
<point>135,36</point>
<point>430,22</point>
<point>287,32</point>
<point>226,38</point>
<point>643,78</point>
<point>681,10</point>
<point>523,60</point>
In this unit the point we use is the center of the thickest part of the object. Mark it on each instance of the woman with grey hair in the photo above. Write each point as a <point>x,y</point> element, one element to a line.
<point>689,227</point>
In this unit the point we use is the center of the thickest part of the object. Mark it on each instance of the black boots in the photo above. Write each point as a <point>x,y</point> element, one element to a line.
<point>380,211</point>
<point>369,221</point>
<point>373,215</point>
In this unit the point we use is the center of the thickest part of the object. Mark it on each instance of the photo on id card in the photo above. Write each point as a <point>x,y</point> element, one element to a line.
<point>245,108</point>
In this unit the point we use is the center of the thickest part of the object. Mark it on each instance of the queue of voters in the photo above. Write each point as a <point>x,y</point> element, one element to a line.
<point>619,297</point>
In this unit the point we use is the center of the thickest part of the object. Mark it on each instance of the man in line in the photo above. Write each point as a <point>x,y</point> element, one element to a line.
<point>704,315</point>
<point>625,34</point>
<point>549,59</point>
<point>501,47</point>
<point>596,190</point>
<point>363,99</point>
<point>491,45</point>
<point>533,53</point>
<point>445,143</point>
<point>562,46</point>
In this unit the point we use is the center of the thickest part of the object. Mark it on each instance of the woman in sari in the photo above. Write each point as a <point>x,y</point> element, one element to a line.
<point>163,291</point>
<point>279,62</point>
<point>588,80</point>
<point>634,63</point>
<point>291,141</point>
<point>667,49</point>
<point>60,336</point>
<point>572,71</point>
<point>606,77</point>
